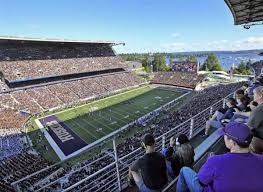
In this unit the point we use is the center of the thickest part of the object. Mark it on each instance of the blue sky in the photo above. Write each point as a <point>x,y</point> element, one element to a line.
<point>144,25</point>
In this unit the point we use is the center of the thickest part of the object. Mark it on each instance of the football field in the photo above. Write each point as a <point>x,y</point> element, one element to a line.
<point>88,123</point>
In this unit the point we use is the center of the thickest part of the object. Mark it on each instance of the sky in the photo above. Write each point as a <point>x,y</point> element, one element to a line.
<point>143,25</point>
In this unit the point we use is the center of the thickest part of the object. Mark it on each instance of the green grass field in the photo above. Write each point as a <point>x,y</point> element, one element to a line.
<point>97,119</point>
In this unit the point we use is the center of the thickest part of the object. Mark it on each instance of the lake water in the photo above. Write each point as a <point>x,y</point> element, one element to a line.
<point>229,59</point>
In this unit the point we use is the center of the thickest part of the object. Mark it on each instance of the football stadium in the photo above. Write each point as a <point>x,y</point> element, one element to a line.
<point>75,117</point>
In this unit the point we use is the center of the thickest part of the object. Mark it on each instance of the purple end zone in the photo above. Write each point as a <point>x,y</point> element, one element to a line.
<point>65,138</point>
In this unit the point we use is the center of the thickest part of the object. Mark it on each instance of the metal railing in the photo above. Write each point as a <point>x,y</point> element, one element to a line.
<point>113,176</point>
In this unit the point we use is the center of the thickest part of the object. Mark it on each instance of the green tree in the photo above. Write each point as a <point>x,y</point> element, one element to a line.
<point>192,58</point>
<point>242,68</point>
<point>171,59</point>
<point>212,63</point>
<point>159,63</point>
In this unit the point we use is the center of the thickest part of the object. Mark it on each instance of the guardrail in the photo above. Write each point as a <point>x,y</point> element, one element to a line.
<point>113,176</point>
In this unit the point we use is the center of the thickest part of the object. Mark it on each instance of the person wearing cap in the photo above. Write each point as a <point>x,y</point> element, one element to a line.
<point>239,170</point>
<point>255,122</point>
<point>149,171</point>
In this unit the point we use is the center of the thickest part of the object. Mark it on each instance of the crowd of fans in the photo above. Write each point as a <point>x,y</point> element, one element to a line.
<point>243,139</point>
<point>241,125</point>
<point>10,118</point>
<point>12,137</point>
<point>24,50</point>
<point>198,103</point>
<point>180,79</point>
<point>185,66</point>
<point>258,67</point>
<point>22,165</point>
<point>3,86</point>
<point>31,69</point>
<point>24,60</point>
<point>34,100</point>
<point>42,61</point>
<point>12,142</point>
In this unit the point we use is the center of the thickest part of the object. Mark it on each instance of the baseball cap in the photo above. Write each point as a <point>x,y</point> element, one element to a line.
<point>148,139</point>
<point>238,132</point>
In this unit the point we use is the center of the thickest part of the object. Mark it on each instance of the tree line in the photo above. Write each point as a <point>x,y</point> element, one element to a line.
<point>154,62</point>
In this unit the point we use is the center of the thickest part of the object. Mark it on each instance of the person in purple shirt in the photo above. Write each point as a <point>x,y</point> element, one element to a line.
<point>239,170</point>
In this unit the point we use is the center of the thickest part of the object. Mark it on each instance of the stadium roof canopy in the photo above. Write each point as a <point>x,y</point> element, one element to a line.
<point>246,11</point>
<point>4,39</point>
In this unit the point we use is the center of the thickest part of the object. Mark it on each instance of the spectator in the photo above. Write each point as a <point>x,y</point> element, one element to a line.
<point>172,162</point>
<point>242,116</point>
<point>180,153</point>
<point>185,151</point>
<point>242,103</point>
<point>220,115</point>
<point>149,172</point>
<point>255,122</point>
<point>228,172</point>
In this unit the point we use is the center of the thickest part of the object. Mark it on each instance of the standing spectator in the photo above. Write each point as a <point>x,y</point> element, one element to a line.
<point>149,172</point>
<point>228,172</point>
<point>255,122</point>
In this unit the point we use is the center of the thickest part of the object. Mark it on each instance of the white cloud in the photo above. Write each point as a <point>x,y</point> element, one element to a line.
<point>253,40</point>
<point>176,46</point>
<point>217,45</point>
<point>247,43</point>
<point>175,34</point>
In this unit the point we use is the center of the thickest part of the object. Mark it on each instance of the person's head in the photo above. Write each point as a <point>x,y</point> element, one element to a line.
<point>242,100</point>
<point>240,92</point>
<point>148,141</point>
<point>252,105</point>
<point>231,102</point>
<point>182,139</point>
<point>237,136</point>
<point>258,95</point>
<point>245,86</point>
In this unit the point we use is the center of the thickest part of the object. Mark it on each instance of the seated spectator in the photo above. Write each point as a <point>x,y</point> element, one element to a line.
<point>179,154</point>
<point>184,151</point>
<point>225,114</point>
<point>228,172</point>
<point>242,103</point>
<point>242,116</point>
<point>255,122</point>
<point>172,162</point>
<point>245,86</point>
<point>149,172</point>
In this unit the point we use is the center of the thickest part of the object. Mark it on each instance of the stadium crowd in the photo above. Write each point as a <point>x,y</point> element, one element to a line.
<point>258,67</point>
<point>180,79</point>
<point>40,61</point>
<point>198,103</point>
<point>30,69</point>
<point>24,50</point>
<point>185,66</point>
<point>33,100</point>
